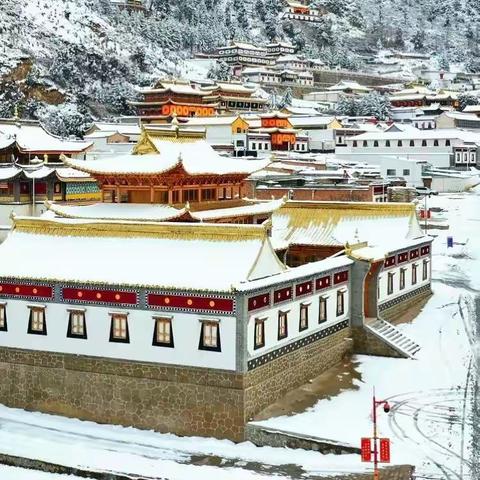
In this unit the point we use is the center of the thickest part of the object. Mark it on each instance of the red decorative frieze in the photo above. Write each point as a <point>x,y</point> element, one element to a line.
<point>414,253</point>
<point>303,288</point>
<point>323,282</point>
<point>390,261</point>
<point>340,277</point>
<point>91,295</point>
<point>425,250</point>
<point>402,257</point>
<point>190,302</point>
<point>32,291</point>
<point>282,295</point>
<point>259,301</point>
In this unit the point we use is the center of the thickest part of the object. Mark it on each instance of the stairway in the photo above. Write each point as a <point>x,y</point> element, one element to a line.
<point>392,336</point>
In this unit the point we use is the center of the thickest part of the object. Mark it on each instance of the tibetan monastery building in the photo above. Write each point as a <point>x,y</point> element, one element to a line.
<point>170,165</point>
<point>186,100</point>
<point>22,140</point>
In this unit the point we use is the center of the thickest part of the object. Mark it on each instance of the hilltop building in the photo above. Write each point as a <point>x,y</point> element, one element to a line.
<point>186,100</point>
<point>300,10</point>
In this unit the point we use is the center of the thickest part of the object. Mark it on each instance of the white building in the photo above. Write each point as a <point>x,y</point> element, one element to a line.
<point>440,148</point>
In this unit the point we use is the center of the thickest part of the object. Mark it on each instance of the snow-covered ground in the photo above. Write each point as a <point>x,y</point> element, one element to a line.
<point>428,396</point>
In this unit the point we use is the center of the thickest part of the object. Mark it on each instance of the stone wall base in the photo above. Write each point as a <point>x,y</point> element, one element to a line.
<point>392,310</point>
<point>180,400</point>
<point>366,343</point>
<point>271,381</point>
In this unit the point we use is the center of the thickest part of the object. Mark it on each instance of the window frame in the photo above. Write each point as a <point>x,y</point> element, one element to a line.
<point>3,317</point>
<point>31,320</point>
<point>322,301</point>
<point>159,319</point>
<point>282,333</point>
<point>425,270</point>
<point>70,331</point>
<point>304,308</point>
<point>402,278</point>
<point>114,316</point>
<point>390,288</point>
<point>201,344</point>
<point>340,295</point>
<point>259,322</point>
<point>414,274</point>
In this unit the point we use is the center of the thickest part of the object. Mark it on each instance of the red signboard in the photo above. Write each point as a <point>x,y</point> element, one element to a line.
<point>366,447</point>
<point>385,450</point>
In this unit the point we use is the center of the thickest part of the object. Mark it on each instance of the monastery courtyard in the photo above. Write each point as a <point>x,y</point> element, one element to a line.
<point>431,423</point>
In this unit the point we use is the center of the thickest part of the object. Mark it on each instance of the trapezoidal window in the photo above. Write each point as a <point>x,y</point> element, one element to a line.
<point>210,336</point>
<point>3,317</point>
<point>37,324</point>
<point>303,320</point>
<point>322,310</point>
<point>119,328</point>
<point>340,302</point>
<point>163,332</point>
<point>259,340</point>
<point>77,327</point>
<point>282,325</point>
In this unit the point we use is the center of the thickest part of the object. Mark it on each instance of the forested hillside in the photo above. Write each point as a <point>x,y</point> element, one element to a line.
<point>71,60</point>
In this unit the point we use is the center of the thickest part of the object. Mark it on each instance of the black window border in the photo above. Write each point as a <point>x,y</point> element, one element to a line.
<point>155,342</point>
<point>119,340</point>
<point>303,306</point>
<point>70,333</point>
<point>256,345</point>
<point>201,346</point>
<point>280,314</point>
<point>390,286</point>
<point>340,293</point>
<point>320,301</point>
<point>30,322</point>
<point>4,328</point>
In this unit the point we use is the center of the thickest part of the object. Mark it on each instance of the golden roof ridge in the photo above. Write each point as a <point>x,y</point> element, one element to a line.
<point>135,229</point>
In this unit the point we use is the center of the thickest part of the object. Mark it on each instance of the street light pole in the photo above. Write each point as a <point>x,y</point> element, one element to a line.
<point>386,409</point>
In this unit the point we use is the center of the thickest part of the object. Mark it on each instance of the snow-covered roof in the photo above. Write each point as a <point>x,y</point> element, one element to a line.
<point>183,256</point>
<point>336,223</point>
<point>123,128</point>
<point>196,156</point>
<point>31,137</point>
<point>220,120</point>
<point>290,58</point>
<point>472,108</point>
<point>233,87</point>
<point>258,208</point>
<point>348,85</point>
<point>308,122</point>
<point>307,111</point>
<point>411,134</point>
<point>118,211</point>
<point>462,116</point>
<point>63,174</point>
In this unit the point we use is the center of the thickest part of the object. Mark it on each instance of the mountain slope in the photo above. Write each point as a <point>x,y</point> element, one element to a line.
<point>68,61</point>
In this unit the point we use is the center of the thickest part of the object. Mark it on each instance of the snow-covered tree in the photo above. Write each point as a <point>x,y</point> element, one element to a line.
<point>465,99</point>
<point>347,106</point>
<point>220,71</point>
<point>374,104</point>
